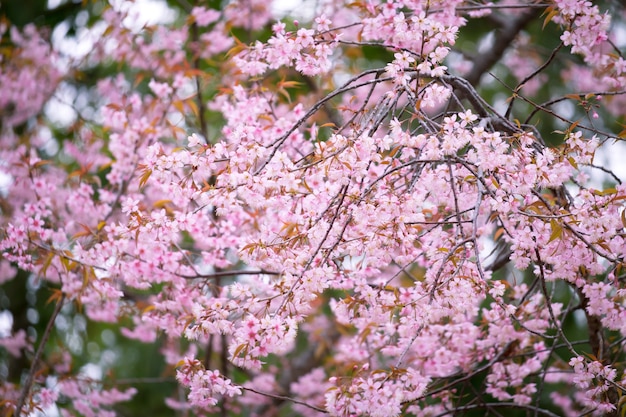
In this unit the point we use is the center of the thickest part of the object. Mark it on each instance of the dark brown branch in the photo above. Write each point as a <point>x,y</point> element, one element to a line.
<point>597,340</point>
<point>501,256</point>
<point>540,107</point>
<point>544,290</point>
<point>300,366</point>
<point>33,367</point>
<point>487,406</point>
<point>230,273</point>
<point>503,39</point>
<point>321,103</point>
<point>530,77</point>
<point>284,398</point>
<point>199,98</point>
<point>483,109</point>
<point>224,370</point>
<point>599,346</point>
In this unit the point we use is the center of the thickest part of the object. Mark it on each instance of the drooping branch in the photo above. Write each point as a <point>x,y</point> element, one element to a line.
<point>26,387</point>
<point>488,406</point>
<point>285,398</point>
<point>502,41</point>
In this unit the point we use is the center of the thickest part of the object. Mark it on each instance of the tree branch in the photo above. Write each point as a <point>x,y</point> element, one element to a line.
<point>503,40</point>
<point>33,368</point>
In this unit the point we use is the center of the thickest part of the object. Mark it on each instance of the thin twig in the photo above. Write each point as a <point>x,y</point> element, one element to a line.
<point>229,273</point>
<point>346,87</point>
<point>456,410</point>
<point>33,367</point>
<point>530,77</point>
<point>284,398</point>
<point>502,42</point>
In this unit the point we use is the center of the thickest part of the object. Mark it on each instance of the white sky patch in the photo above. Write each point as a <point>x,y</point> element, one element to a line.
<point>612,155</point>
<point>140,13</point>
<point>54,3</point>
<point>293,8</point>
<point>75,47</point>
<point>486,43</point>
<point>5,182</point>
<point>58,108</point>
<point>618,32</point>
<point>92,371</point>
<point>145,12</point>
<point>6,323</point>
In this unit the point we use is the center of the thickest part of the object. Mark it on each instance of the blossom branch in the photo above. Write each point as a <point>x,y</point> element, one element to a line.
<point>284,398</point>
<point>30,377</point>
<point>488,406</point>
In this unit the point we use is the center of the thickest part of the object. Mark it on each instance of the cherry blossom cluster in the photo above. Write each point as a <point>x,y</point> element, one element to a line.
<point>595,380</point>
<point>367,247</point>
<point>88,398</point>
<point>29,74</point>
<point>586,31</point>
<point>586,26</point>
<point>204,385</point>
<point>378,395</point>
<point>308,50</point>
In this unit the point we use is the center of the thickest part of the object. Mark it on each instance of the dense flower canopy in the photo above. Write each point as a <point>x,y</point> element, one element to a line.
<point>381,208</point>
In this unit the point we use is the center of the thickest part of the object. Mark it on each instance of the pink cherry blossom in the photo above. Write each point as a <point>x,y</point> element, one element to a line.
<point>316,216</point>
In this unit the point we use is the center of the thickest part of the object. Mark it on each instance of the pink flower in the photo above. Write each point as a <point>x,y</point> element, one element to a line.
<point>204,16</point>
